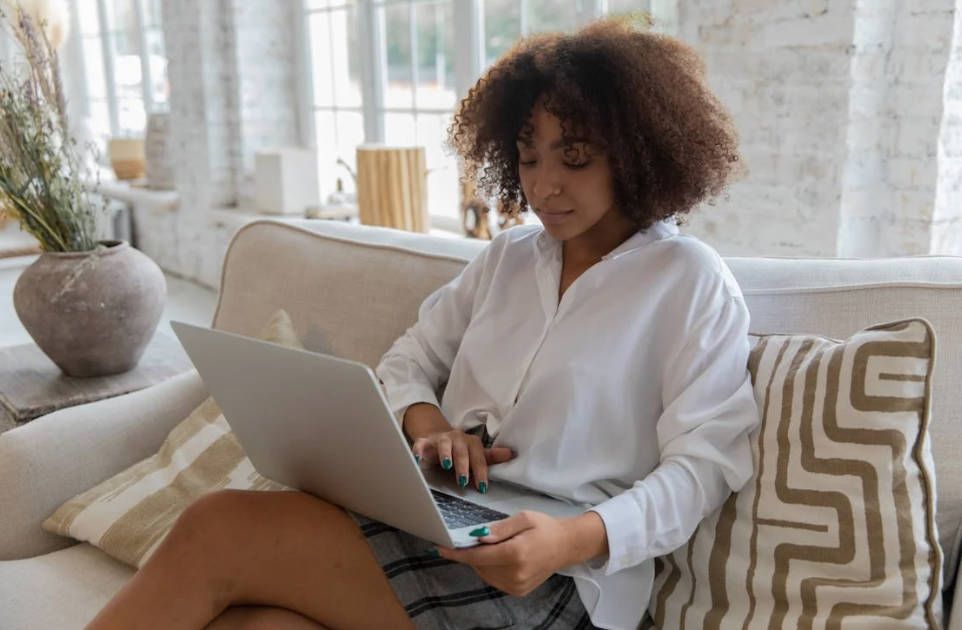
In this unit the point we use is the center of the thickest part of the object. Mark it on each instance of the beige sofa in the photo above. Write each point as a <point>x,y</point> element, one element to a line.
<point>351,291</point>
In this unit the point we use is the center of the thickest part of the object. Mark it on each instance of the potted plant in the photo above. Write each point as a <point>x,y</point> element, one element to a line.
<point>90,305</point>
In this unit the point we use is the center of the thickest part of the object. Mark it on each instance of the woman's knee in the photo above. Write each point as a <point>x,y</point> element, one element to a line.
<point>211,516</point>
<point>261,618</point>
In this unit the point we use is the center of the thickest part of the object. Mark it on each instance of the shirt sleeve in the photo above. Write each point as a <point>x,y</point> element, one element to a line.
<point>703,436</point>
<point>419,361</point>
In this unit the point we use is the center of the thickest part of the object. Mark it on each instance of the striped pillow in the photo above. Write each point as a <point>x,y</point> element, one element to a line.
<point>836,528</point>
<point>128,515</point>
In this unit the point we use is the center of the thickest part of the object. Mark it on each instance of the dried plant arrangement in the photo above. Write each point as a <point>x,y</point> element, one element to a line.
<point>41,171</point>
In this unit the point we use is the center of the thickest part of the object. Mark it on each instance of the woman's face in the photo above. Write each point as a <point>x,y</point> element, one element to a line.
<point>566,180</point>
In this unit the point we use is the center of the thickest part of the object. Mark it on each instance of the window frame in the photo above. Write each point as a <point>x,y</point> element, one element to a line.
<point>469,64</point>
<point>109,54</point>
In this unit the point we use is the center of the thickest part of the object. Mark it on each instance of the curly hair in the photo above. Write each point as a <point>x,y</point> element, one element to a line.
<point>640,97</point>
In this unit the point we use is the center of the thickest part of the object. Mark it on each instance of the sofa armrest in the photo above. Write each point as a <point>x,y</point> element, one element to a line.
<point>53,458</point>
<point>953,617</point>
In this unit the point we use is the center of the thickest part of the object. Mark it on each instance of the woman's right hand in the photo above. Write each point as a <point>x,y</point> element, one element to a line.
<point>464,453</point>
<point>435,441</point>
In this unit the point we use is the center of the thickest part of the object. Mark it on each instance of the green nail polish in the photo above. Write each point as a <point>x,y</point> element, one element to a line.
<point>433,553</point>
<point>481,531</point>
<point>463,481</point>
<point>483,487</point>
<point>417,458</point>
<point>446,463</point>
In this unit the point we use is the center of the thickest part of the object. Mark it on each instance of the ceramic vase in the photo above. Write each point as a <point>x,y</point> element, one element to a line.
<point>92,312</point>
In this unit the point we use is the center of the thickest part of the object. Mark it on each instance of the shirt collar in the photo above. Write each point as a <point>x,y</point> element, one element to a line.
<point>549,245</point>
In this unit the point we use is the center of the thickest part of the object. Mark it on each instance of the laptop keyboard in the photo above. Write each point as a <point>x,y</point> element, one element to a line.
<point>460,513</point>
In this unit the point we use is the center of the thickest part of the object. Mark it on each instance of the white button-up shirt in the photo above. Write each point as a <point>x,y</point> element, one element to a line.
<point>631,396</point>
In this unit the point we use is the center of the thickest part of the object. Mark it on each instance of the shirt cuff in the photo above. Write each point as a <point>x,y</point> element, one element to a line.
<point>400,397</point>
<point>623,519</point>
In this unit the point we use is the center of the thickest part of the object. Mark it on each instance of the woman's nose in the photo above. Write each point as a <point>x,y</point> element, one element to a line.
<point>546,184</point>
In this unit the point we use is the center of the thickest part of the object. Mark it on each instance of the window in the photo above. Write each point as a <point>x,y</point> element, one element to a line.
<point>392,71</point>
<point>120,45</point>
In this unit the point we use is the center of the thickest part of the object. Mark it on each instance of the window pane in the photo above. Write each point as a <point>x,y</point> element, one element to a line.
<point>154,38</point>
<point>131,116</point>
<point>127,75</point>
<point>344,53</point>
<point>152,14</point>
<point>94,67</point>
<point>334,58</point>
<point>435,29</point>
<point>100,121</point>
<point>551,15</point>
<point>502,27</point>
<point>121,18</point>
<point>399,130</point>
<point>443,189</point>
<point>628,6</point>
<point>160,88</point>
<point>321,59</point>
<point>89,21</point>
<point>350,133</point>
<point>126,42</point>
<point>397,40</point>
<point>327,168</point>
<point>431,131</point>
<point>322,4</point>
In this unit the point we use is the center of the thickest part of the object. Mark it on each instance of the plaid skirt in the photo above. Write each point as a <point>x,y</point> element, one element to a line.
<point>442,595</point>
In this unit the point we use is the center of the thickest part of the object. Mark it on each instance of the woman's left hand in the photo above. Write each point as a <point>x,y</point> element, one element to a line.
<point>521,552</point>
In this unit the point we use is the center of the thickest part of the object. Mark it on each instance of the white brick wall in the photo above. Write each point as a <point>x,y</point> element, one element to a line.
<point>783,73</point>
<point>839,108</point>
<point>266,61</point>
<point>947,219</point>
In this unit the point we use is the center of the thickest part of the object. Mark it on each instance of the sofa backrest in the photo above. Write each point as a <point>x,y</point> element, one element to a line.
<point>352,290</point>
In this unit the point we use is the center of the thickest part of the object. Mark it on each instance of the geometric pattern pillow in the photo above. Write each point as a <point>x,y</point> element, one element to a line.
<point>836,528</point>
<point>128,515</point>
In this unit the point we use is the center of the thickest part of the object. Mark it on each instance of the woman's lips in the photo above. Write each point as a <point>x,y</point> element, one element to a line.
<point>554,218</point>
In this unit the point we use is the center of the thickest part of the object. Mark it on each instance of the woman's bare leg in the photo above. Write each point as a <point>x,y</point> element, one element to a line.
<point>262,618</point>
<point>233,547</point>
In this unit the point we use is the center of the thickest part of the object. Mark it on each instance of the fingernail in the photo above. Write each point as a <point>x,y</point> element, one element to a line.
<point>463,481</point>
<point>446,463</point>
<point>433,553</point>
<point>417,458</point>
<point>483,487</point>
<point>481,531</point>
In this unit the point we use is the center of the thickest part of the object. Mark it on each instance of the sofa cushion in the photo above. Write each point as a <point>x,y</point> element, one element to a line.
<point>62,589</point>
<point>130,514</point>
<point>836,526</point>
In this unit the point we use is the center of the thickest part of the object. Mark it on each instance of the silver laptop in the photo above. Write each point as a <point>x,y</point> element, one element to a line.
<point>322,424</point>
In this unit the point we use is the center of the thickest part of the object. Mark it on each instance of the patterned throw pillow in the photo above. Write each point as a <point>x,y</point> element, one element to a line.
<point>836,529</point>
<point>128,515</point>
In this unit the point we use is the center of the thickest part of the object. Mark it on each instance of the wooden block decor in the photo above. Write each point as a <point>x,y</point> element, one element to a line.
<point>392,187</point>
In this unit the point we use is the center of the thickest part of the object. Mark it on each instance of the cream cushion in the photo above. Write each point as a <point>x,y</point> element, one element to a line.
<point>129,515</point>
<point>836,526</point>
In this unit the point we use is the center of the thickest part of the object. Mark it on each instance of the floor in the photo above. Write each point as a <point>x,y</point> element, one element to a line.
<point>186,301</point>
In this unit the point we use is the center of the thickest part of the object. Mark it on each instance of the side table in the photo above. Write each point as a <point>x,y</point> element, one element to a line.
<point>31,385</point>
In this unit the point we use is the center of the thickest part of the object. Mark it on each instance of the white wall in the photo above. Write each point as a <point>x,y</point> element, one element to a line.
<point>839,108</point>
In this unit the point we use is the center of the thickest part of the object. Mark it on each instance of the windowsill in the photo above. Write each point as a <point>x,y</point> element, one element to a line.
<point>135,193</point>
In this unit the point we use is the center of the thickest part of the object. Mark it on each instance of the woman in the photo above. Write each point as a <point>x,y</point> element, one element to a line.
<point>601,359</point>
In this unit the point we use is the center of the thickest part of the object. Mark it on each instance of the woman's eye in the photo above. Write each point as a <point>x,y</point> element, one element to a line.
<point>577,165</point>
<point>526,163</point>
